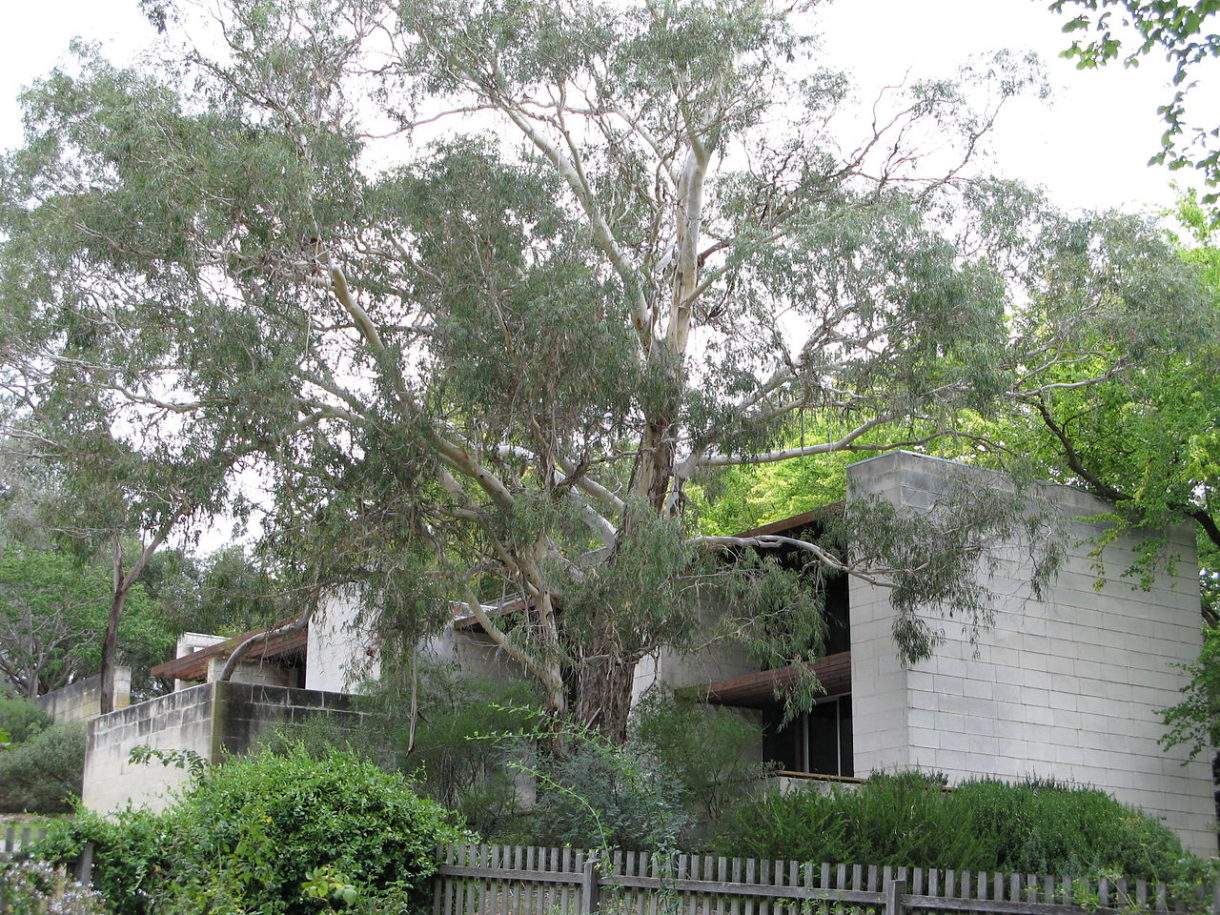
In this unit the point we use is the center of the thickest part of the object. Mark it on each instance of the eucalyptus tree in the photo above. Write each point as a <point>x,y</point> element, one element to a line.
<point>1184,33</point>
<point>52,606</point>
<point>1146,441</point>
<point>485,285</point>
<point>114,504</point>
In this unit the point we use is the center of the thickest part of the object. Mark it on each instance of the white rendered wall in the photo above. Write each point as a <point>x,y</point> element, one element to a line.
<point>342,650</point>
<point>474,653</point>
<point>1067,688</point>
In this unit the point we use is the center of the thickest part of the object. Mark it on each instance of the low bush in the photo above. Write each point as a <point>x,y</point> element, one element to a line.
<point>604,796</point>
<point>273,833</point>
<point>707,748</point>
<point>466,754</point>
<point>909,820</point>
<point>21,718</point>
<point>43,773</point>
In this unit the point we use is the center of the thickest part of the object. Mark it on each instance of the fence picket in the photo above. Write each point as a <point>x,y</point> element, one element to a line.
<point>565,894</point>
<point>459,891</point>
<point>486,879</point>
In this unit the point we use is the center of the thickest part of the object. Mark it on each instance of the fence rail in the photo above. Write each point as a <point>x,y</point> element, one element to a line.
<point>517,880</point>
<point>15,839</point>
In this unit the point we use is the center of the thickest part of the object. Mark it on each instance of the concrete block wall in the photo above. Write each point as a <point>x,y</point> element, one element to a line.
<point>181,720</point>
<point>262,672</point>
<point>474,653</point>
<point>211,719</point>
<point>1065,688</point>
<point>82,700</point>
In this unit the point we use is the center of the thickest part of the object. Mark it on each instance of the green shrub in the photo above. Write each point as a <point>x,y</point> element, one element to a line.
<point>605,796</point>
<point>468,747</point>
<point>708,749</point>
<point>1044,827</point>
<point>264,833</point>
<point>22,718</point>
<point>43,773</point>
<point>463,751</point>
<point>908,820</point>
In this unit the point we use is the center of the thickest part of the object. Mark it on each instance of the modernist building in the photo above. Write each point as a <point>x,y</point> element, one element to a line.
<point>1068,687</point>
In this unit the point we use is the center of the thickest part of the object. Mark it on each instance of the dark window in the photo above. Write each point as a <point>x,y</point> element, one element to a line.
<point>837,615</point>
<point>818,742</point>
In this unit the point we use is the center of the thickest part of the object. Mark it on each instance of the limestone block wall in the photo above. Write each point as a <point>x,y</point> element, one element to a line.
<point>82,700</point>
<point>1066,688</point>
<point>211,719</point>
<point>181,720</point>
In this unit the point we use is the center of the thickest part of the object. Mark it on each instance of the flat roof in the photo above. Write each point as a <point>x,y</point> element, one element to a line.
<point>194,666</point>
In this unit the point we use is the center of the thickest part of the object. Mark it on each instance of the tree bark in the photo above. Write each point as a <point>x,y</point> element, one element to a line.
<point>603,690</point>
<point>122,585</point>
<point>111,639</point>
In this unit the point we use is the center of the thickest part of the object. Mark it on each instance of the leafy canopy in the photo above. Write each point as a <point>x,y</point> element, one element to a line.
<point>478,291</point>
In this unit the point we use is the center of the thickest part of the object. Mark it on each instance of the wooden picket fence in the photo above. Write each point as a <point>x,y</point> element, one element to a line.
<point>15,839</point>
<point>517,880</point>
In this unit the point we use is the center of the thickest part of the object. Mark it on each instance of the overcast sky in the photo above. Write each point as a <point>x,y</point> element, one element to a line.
<point>1088,145</point>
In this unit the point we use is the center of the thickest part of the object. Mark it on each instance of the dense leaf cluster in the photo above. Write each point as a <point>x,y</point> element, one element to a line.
<point>42,767</point>
<point>250,834</point>
<point>911,820</point>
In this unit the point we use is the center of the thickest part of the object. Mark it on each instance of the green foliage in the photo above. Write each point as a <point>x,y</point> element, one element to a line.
<point>53,606</point>
<point>986,826</point>
<point>329,883</point>
<point>706,748</point>
<point>747,496</point>
<point>260,833</point>
<point>467,742</point>
<point>21,718</point>
<point>1180,31</point>
<point>132,854</point>
<point>489,368</point>
<point>226,593</point>
<point>1144,440</point>
<point>1195,720</point>
<point>602,795</point>
<point>456,736</point>
<point>179,759</point>
<point>43,774</point>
